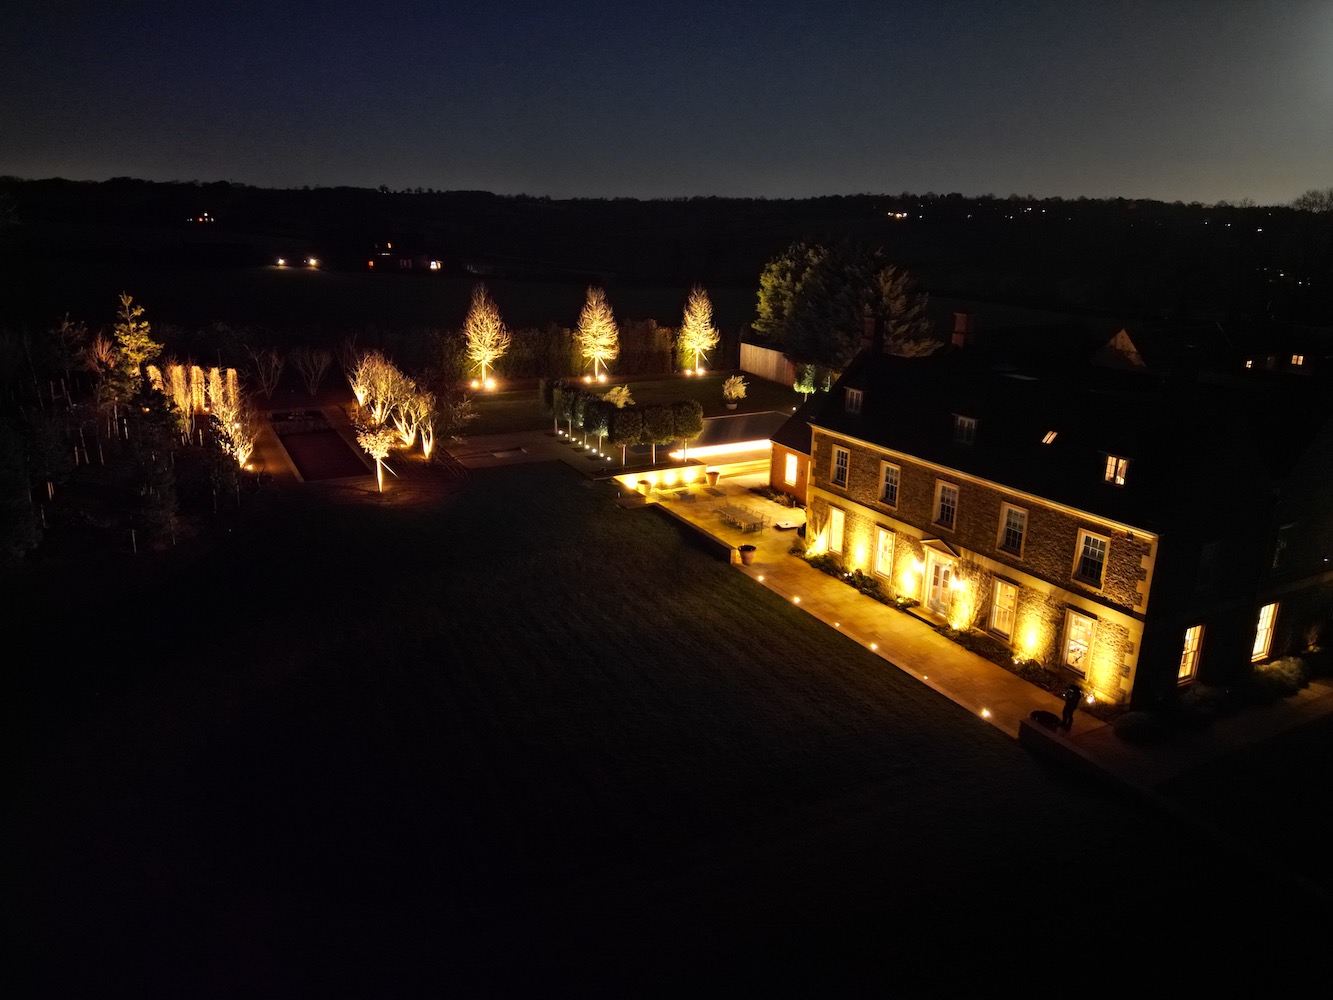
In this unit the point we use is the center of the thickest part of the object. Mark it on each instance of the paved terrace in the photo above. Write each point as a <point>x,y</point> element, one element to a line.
<point>903,641</point>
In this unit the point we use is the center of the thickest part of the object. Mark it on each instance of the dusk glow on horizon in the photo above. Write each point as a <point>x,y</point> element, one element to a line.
<point>1172,101</point>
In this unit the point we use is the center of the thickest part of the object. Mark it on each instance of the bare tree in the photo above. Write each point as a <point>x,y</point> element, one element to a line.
<point>268,369</point>
<point>313,364</point>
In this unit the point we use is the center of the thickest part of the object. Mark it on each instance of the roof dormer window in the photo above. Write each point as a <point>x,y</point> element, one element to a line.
<point>1116,468</point>
<point>1049,437</point>
<point>1298,359</point>
<point>964,429</point>
<point>853,399</point>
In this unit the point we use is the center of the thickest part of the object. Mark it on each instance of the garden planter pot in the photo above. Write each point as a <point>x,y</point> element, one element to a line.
<point>731,406</point>
<point>712,477</point>
<point>747,554</point>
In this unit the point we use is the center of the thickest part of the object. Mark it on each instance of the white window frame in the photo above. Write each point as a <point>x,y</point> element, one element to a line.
<point>846,466</point>
<point>1189,655</point>
<point>964,429</point>
<point>1080,634</point>
<point>1003,613</point>
<point>884,551</point>
<point>1005,510</point>
<point>853,399</point>
<point>837,529</point>
<point>940,487</point>
<point>1083,538</point>
<point>1117,468</point>
<point>884,469</point>
<point>1263,632</point>
<point>791,470</point>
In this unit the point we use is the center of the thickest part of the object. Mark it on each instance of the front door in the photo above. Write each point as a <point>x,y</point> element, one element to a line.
<point>939,571</point>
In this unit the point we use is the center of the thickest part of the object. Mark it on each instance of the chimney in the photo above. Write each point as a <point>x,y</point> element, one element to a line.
<point>871,334</point>
<point>964,330</point>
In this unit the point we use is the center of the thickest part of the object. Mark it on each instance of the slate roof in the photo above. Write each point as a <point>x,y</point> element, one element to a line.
<point>1192,445</point>
<point>795,431</point>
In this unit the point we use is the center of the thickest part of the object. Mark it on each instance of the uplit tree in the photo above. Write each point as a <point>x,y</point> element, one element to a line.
<point>379,385</point>
<point>484,332</point>
<point>697,334</point>
<point>409,414</point>
<point>430,417</point>
<point>597,338</point>
<point>134,343</point>
<point>376,441</point>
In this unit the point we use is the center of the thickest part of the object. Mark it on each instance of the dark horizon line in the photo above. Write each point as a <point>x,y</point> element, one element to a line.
<point>989,196</point>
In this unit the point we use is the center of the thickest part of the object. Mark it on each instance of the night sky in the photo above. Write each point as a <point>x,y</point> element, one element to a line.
<point>1170,100</point>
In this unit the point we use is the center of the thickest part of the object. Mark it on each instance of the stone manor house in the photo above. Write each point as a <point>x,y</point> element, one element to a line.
<point>1139,526</point>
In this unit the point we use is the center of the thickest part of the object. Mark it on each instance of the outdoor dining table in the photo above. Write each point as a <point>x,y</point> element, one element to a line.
<point>742,517</point>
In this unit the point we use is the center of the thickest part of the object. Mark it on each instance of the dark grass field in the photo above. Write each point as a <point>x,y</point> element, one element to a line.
<point>297,304</point>
<point>519,741</point>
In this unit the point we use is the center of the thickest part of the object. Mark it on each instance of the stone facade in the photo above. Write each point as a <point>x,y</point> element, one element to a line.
<point>1043,571</point>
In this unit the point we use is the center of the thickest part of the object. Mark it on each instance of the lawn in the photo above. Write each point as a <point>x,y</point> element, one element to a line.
<point>520,409</point>
<point>523,741</point>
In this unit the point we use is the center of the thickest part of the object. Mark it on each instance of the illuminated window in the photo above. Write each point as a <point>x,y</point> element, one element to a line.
<point>853,400</point>
<point>884,553</point>
<point>1249,362</point>
<point>1115,469</point>
<point>1004,603</point>
<point>1298,359</point>
<point>837,526</point>
<point>1048,437</point>
<point>889,493</point>
<point>841,460</point>
<point>964,429</point>
<point>1078,640</point>
<point>789,470</point>
<point>946,504</point>
<point>1263,634</point>
<point>1013,526</point>
<point>1090,565</point>
<point>1189,656</point>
